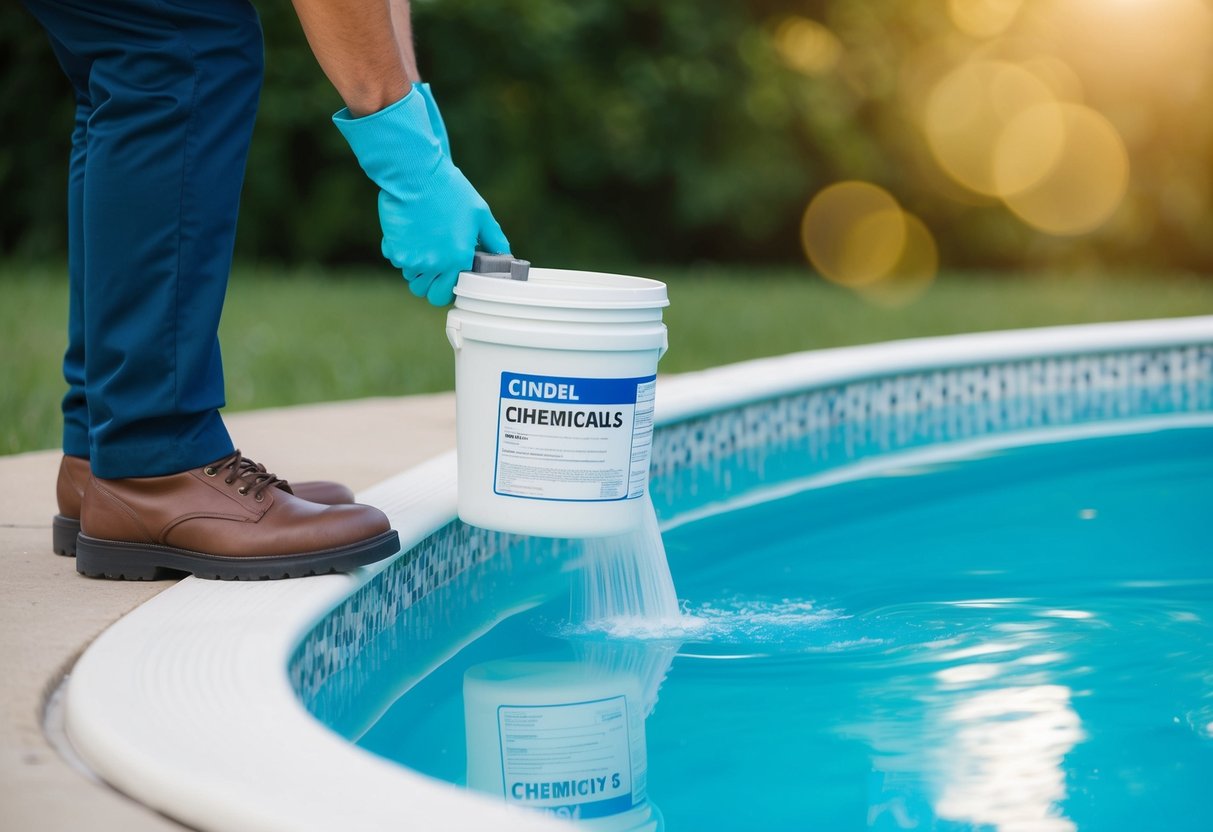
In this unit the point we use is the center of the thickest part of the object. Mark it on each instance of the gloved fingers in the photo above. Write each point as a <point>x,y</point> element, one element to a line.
<point>394,254</point>
<point>419,284</point>
<point>442,290</point>
<point>491,237</point>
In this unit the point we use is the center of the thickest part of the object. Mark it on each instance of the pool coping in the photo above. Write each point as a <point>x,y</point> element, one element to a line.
<point>186,704</point>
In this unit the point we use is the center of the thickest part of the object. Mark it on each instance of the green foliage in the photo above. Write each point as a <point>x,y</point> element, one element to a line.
<point>618,128</point>
<point>600,131</point>
<point>36,114</point>
<point>614,131</point>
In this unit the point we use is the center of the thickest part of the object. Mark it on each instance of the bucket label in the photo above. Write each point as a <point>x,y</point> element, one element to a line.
<point>573,439</point>
<point>571,760</point>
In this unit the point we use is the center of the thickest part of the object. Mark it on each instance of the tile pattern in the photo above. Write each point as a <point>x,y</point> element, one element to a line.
<point>814,430</point>
<point>346,631</point>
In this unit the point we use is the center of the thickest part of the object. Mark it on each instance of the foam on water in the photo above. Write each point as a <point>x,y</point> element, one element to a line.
<point>732,621</point>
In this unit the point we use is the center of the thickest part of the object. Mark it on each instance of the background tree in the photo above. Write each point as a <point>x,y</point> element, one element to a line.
<point>606,132</point>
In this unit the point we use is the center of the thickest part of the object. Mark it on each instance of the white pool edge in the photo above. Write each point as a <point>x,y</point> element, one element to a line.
<point>185,703</point>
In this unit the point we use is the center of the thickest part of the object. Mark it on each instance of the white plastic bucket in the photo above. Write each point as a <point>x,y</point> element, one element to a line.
<point>555,378</point>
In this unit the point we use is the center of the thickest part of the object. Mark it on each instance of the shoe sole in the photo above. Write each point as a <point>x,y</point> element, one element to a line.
<point>64,531</point>
<point>149,562</point>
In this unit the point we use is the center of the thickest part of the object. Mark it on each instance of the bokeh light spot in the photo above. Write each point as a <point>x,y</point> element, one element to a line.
<point>854,233</point>
<point>914,271</point>
<point>967,112</point>
<point>1087,181</point>
<point>1028,148</point>
<point>1057,74</point>
<point>807,46</point>
<point>983,18</point>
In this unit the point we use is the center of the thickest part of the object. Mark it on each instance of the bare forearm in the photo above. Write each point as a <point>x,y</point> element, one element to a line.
<point>403,26</point>
<point>355,43</point>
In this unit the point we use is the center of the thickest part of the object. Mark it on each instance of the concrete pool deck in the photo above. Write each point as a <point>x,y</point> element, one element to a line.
<point>49,614</point>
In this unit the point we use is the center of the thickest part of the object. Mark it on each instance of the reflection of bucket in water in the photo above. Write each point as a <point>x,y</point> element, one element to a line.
<point>555,375</point>
<point>562,737</point>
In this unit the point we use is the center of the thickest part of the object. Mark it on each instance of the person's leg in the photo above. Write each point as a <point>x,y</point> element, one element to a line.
<point>75,403</point>
<point>73,469</point>
<point>66,24</point>
<point>174,88</point>
<point>170,90</point>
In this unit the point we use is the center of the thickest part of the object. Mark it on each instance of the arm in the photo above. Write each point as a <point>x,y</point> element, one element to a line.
<point>355,43</point>
<point>432,218</point>
<point>403,26</point>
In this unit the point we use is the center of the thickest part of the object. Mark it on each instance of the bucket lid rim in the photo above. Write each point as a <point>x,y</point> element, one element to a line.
<point>570,295</point>
<point>561,303</point>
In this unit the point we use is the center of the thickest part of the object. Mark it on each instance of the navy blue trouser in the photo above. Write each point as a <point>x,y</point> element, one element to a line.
<point>166,93</point>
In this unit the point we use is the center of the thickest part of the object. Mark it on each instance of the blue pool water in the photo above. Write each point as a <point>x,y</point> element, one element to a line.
<point>1016,640</point>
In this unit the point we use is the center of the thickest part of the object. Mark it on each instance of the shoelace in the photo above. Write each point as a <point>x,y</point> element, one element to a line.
<point>253,475</point>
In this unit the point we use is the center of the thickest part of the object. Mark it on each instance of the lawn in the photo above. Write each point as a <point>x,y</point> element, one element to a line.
<point>304,335</point>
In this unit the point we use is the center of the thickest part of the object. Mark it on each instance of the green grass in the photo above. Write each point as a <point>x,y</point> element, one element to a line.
<point>303,335</point>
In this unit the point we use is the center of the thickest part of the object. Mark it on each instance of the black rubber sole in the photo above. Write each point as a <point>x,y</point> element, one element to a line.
<point>64,531</point>
<point>147,562</point>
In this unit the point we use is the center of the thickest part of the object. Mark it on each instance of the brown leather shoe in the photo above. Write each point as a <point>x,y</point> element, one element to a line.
<point>74,475</point>
<point>226,520</point>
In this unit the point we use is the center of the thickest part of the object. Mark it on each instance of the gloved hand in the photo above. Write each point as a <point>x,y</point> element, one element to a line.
<point>432,218</point>
<point>436,122</point>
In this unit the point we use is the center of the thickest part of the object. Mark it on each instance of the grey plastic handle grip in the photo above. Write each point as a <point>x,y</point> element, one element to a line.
<point>500,265</point>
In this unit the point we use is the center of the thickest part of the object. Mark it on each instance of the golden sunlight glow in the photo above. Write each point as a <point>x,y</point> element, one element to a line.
<point>914,271</point>
<point>1016,132</point>
<point>983,18</point>
<point>1134,48</point>
<point>1028,148</point>
<point>967,113</point>
<point>1058,75</point>
<point>807,46</point>
<point>857,235</point>
<point>854,233</point>
<point>1089,175</point>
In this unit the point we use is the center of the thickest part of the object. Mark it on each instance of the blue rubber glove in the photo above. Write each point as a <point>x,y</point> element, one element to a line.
<point>432,218</point>
<point>436,122</point>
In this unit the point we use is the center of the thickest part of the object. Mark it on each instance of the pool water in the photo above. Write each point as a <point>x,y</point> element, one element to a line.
<point>1020,639</point>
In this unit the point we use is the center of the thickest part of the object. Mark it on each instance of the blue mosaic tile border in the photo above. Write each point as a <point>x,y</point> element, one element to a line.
<point>787,437</point>
<point>330,647</point>
<point>797,435</point>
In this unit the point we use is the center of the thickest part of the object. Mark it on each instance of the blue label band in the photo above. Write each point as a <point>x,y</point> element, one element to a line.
<point>565,390</point>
